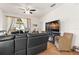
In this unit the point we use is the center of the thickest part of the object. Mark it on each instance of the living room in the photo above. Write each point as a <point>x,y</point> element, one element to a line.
<point>31,18</point>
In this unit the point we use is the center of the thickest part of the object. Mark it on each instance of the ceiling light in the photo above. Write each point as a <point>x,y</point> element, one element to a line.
<point>27,12</point>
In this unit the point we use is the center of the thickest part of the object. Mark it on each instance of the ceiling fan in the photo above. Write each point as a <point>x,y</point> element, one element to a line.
<point>27,10</point>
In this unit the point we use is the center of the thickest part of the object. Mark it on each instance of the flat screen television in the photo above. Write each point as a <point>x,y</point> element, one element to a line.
<point>52,26</point>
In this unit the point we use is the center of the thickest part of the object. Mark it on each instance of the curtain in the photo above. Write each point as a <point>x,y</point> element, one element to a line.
<point>11,23</point>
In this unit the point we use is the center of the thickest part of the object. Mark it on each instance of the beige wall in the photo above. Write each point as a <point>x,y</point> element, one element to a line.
<point>3,20</point>
<point>68,14</point>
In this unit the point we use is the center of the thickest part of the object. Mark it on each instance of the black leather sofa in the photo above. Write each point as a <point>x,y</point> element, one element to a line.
<point>36,43</point>
<point>20,44</point>
<point>23,44</point>
<point>7,45</point>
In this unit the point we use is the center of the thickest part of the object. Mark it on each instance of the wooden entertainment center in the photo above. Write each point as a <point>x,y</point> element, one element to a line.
<point>53,29</point>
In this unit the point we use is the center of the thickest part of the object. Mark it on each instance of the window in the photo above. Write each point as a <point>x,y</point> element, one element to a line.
<point>12,24</point>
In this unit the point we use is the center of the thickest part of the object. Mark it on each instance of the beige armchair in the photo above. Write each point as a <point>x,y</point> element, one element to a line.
<point>64,42</point>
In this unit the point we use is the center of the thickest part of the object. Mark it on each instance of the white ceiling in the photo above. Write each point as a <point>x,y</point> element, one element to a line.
<point>42,8</point>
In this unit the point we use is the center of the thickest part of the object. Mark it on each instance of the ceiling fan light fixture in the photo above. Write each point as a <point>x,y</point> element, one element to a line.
<point>27,12</point>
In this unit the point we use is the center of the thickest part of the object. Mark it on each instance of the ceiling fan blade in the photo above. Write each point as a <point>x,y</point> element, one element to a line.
<point>24,12</point>
<point>53,5</point>
<point>32,10</point>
